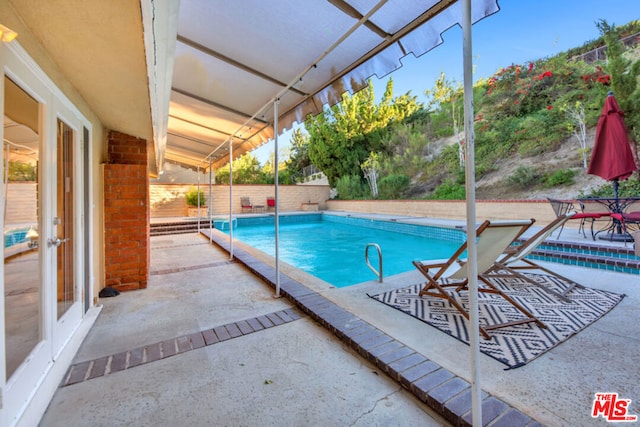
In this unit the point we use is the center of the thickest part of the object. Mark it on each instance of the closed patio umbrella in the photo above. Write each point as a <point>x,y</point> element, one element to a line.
<point>612,158</point>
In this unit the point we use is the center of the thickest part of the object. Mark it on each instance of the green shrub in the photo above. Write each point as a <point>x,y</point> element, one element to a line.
<point>351,187</point>
<point>449,190</point>
<point>559,178</point>
<point>523,177</point>
<point>193,199</point>
<point>627,188</point>
<point>393,186</point>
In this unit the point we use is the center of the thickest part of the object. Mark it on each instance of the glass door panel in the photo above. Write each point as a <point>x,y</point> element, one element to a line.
<point>63,221</point>
<point>22,243</point>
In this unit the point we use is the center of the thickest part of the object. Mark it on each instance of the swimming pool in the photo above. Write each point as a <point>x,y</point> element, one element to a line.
<point>332,247</point>
<point>15,236</point>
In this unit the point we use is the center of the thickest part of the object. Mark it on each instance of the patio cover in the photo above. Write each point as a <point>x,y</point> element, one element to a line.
<point>233,59</point>
<point>243,69</point>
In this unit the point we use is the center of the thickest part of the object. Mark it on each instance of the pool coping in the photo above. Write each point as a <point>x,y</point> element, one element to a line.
<point>443,391</point>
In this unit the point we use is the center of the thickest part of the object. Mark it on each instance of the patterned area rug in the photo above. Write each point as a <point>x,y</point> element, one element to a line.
<point>514,345</point>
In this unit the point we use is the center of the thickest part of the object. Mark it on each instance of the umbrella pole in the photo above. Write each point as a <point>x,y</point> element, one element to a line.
<point>616,205</point>
<point>615,195</point>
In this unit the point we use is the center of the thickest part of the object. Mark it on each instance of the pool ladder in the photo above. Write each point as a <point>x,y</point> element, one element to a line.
<point>366,259</point>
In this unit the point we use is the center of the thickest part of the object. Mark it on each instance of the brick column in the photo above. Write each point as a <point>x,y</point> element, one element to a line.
<point>126,213</point>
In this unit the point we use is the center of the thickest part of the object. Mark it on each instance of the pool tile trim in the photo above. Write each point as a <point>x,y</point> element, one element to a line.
<point>621,260</point>
<point>440,389</point>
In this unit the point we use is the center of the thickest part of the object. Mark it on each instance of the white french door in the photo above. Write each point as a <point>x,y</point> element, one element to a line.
<point>65,241</point>
<point>42,201</point>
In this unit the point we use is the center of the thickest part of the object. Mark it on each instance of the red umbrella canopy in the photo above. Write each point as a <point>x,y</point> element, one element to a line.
<point>611,158</point>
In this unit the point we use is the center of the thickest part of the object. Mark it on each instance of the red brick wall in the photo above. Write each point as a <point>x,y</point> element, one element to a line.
<point>126,213</point>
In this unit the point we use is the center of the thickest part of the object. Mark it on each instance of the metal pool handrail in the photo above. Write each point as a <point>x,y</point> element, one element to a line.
<point>366,259</point>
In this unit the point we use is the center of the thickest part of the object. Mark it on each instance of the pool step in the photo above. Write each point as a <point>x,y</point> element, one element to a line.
<point>181,227</point>
<point>622,259</point>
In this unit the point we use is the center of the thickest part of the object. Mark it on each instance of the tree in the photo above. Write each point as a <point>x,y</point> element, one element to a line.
<point>284,174</point>
<point>20,171</point>
<point>446,92</point>
<point>342,136</point>
<point>371,168</point>
<point>246,170</point>
<point>332,151</point>
<point>579,127</point>
<point>299,154</point>
<point>408,150</point>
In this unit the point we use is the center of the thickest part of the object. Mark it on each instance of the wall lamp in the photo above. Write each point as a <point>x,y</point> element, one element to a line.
<point>6,34</point>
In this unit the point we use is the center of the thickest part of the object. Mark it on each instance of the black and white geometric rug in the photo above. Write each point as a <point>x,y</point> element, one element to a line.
<point>514,345</point>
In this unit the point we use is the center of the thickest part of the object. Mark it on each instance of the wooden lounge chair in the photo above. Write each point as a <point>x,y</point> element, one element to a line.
<point>493,239</point>
<point>513,260</point>
<point>245,204</point>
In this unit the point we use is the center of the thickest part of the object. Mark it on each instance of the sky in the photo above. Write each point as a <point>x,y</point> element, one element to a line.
<point>522,31</point>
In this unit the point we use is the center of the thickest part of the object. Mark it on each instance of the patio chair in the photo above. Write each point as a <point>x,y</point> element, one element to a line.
<point>493,238</point>
<point>245,204</point>
<point>513,260</point>
<point>629,219</point>
<point>588,211</point>
<point>271,203</point>
<point>629,222</point>
<point>636,242</point>
<point>560,207</point>
<point>593,211</point>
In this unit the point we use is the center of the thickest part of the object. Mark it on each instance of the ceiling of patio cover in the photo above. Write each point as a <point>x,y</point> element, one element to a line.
<point>234,58</point>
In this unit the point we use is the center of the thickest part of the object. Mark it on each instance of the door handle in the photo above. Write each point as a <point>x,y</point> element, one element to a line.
<point>56,242</point>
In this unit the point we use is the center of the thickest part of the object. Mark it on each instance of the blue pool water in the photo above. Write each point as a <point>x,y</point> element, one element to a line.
<point>15,236</point>
<point>332,248</point>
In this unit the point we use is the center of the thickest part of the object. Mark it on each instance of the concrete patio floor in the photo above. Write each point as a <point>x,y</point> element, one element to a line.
<point>299,373</point>
<point>296,373</point>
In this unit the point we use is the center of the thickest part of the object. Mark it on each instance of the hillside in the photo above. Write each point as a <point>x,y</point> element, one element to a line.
<point>525,119</point>
<point>494,186</point>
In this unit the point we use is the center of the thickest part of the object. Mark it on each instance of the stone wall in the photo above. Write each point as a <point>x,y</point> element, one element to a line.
<point>454,209</point>
<point>168,200</point>
<point>22,204</point>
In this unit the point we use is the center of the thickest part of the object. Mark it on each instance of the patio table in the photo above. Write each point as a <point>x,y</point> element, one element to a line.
<point>616,207</point>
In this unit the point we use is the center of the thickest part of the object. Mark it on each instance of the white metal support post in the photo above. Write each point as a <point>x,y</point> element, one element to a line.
<point>231,199</point>
<point>277,213</point>
<point>210,204</point>
<point>472,252</point>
